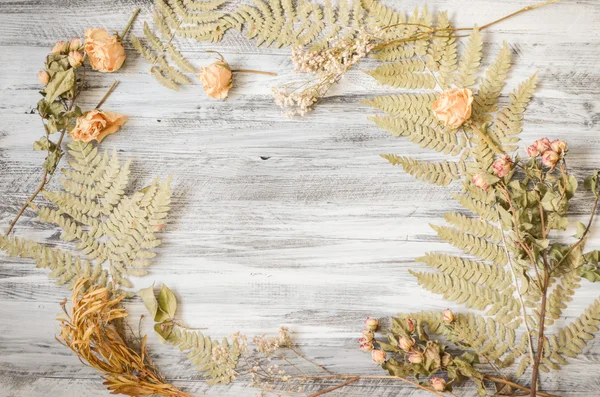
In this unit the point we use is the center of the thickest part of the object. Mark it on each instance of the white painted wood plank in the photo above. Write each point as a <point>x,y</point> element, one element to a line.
<point>315,236</point>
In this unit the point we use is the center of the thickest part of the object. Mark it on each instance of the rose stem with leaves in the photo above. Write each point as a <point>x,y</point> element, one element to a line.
<point>46,175</point>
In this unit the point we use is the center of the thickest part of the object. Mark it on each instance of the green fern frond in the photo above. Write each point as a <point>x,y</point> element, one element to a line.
<point>215,360</point>
<point>108,227</point>
<point>179,60</point>
<point>478,207</point>
<point>154,42</point>
<point>440,173</point>
<point>438,44</point>
<point>202,5</point>
<point>470,61</point>
<point>448,63</point>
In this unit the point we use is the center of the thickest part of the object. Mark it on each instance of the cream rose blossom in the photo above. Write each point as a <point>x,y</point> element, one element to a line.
<point>453,107</point>
<point>216,79</point>
<point>96,125</point>
<point>105,52</point>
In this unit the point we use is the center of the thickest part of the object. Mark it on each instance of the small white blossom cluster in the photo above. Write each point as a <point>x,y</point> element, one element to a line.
<point>329,64</point>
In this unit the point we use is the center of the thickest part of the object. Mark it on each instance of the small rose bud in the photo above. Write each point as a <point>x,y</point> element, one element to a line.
<point>542,145</point>
<point>532,151</point>
<point>75,58</point>
<point>410,325</point>
<point>371,324</point>
<point>559,147</point>
<point>368,334</point>
<point>448,316</point>
<point>438,384</point>
<point>502,166</point>
<point>43,77</point>
<point>75,44</point>
<point>406,343</point>
<point>59,47</point>
<point>415,358</point>
<point>479,182</point>
<point>550,158</point>
<point>378,356</point>
<point>365,344</point>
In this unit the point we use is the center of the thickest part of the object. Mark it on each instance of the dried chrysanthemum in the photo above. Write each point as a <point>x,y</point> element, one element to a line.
<point>89,331</point>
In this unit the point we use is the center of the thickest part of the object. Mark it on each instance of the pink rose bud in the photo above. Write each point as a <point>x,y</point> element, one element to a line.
<point>43,77</point>
<point>378,356</point>
<point>410,325</point>
<point>371,324</point>
<point>532,151</point>
<point>559,147</point>
<point>59,47</point>
<point>438,384</point>
<point>542,145</point>
<point>446,360</point>
<point>368,334</point>
<point>479,182</point>
<point>365,344</point>
<point>406,343</point>
<point>550,158</point>
<point>448,316</point>
<point>75,44</point>
<point>75,58</point>
<point>415,358</point>
<point>502,166</point>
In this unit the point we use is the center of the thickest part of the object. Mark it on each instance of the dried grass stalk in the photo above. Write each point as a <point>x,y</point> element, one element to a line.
<point>91,332</point>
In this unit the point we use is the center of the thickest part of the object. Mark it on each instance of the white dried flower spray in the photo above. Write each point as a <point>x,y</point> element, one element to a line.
<point>329,64</point>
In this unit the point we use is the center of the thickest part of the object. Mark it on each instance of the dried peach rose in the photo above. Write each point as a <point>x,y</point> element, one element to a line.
<point>95,125</point>
<point>216,79</point>
<point>453,107</point>
<point>105,52</point>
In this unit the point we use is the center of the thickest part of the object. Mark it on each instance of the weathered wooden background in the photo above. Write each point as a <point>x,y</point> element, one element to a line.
<point>275,221</point>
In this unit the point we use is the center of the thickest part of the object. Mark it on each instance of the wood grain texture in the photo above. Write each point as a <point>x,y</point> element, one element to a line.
<point>275,221</point>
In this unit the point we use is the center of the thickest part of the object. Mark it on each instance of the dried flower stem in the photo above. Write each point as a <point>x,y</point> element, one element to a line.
<point>131,20</point>
<point>351,380</point>
<point>372,377</point>
<point>292,348</point>
<point>516,385</point>
<point>46,174</point>
<point>254,72</point>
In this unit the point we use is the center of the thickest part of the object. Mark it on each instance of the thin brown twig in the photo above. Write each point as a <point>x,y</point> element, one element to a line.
<point>254,72</point>
<point>516,385</point>
<point>309,360</point>
<point>351,380</point>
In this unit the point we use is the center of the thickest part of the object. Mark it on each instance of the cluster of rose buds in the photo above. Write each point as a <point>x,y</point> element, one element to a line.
<point>502,166</point>
<point>366,341</point>
<point>551,152</point>
<point>74,56</point>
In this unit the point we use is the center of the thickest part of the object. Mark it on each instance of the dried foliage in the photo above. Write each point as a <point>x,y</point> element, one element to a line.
<point>91,330</point>
<point>109,227</point>
<point>515,269</point>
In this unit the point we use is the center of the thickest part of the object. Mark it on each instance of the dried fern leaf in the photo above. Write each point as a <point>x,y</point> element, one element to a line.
<point>155,43</point>
<point>421,131</point>
<point>441,173</point>
<point>472,245</point>
<point>179,60</point>
<point>470,61</point>
<point>215,360</point>
<point>199,5</point>
<point>108,226</point>
<point>165,81</point>
<point>489,91</point>
<point>141,49</point>
<point>394,104</point>
<point>509,121</point>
